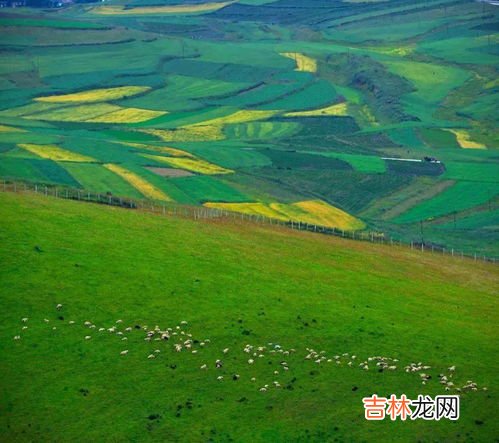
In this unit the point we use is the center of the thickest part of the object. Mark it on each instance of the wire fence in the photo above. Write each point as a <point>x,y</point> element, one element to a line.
<point>200,212</point>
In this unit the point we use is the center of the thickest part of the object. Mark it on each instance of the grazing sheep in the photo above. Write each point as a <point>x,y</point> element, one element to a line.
<point>226,350</point>
<point>220,377</point>
<point>183,322</point>
<point>124,338</point>
<point>102,329</point>
<point>125,352</point>
<point>253,379</point>
<point>276,372</point>
<point>58,307</point>
<point>128,329</point>
<point>87,337</point>
<point>178,347</point>
<point>194,351</point>
<point>157,351</point>
<point>263,389</point>
<point>204,366</point>
<point>71,322</point>
<point>46,320</point>
<point>452,368</point>
<point>25,319</point>
<point>17,337</point>
<point>235,377</point>
<point>87,323</point>
<point>119,321</point>
<point>251,361</point>
<point>218,364</point>
<point>151,356</point>
<point>24,327</point>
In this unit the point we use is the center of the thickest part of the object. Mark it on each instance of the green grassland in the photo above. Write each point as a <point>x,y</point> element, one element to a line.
<point>274,287</point>
<point>405,75</point>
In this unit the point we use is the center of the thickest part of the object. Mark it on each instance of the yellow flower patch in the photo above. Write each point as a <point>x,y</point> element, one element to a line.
<point>340,109</point>
<point>303,63</point>
<point>315,212</point>
<point>464,139</point>
<point>127,115</point>
<point>142,185</point>
<point>188,134</point>
<point>149,10</point>
<point>95,95</point>
<point>191,164</point>
<point>55,153</point>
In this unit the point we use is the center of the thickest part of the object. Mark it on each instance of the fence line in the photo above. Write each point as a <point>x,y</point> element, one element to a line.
<point>201,212</point>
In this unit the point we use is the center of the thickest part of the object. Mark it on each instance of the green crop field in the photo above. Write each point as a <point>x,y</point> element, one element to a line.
<point>124,271</point>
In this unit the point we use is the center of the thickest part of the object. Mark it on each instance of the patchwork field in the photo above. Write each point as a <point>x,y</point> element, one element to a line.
<point>264,103</point>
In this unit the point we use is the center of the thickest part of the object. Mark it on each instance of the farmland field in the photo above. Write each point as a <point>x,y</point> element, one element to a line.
<point>278,101</point>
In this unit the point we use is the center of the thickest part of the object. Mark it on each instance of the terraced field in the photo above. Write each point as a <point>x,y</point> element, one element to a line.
<point>263,103</point>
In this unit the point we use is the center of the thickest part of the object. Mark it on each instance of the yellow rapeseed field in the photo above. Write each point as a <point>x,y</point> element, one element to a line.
<point>324,214</point>
<point>148,10</point>
<point>74,113</point>
<point>127,115</point>
<point>464,139</point>
<point>188,133</point>
<point>340,109</point>
<point>95,95</point>
<point>4,128</point>
<point>254,208</point>
<point>191,164</point>
<point>303,63</point>
<point>55,153</point>
<point>143,186</point>
<point>242,116</point>
<point>174,152</point>
<point>314,212</point>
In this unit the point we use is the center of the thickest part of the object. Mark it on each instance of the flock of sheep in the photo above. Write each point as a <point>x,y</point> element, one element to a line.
<point>179,340</point>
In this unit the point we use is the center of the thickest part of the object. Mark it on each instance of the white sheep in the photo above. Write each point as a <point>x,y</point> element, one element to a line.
<point>151,356</point>
<point>58,307</point>
<point>25,319</point>
<point>125,352</point>
<point>17,337</point>
<point>204,366</point>
<point>87,337</point>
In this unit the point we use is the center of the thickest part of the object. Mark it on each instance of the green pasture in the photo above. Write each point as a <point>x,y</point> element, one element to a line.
<point>274,287</point>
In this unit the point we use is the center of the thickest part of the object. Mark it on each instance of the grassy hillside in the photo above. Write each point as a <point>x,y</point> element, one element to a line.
<point>234,285</point>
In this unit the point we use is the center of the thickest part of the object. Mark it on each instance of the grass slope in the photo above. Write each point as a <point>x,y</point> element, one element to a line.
<point>235,284</point>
